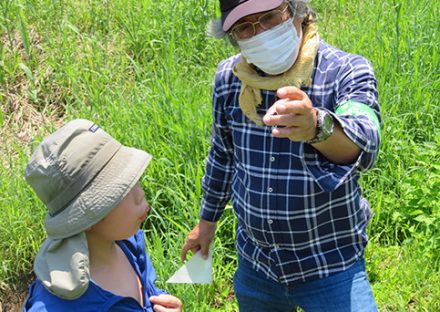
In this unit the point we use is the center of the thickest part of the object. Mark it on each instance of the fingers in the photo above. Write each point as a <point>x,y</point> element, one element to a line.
<point>286,120</point>
<point>183,253</point>
<point>292,100</point>
<point>199,238</point>
<point>165,302</point>
<point>292,93</point>
<point>285,107</point>
<point>293,114</point>
<point>204,250</point>
<point>159,308</point>
<point>187,246</point>
<point>207,232</point>
<point>271,111</point>
<point>191,243</point>
<point>293,133</point>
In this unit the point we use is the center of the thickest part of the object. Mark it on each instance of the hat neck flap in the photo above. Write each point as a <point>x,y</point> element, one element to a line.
<point>62,266</point>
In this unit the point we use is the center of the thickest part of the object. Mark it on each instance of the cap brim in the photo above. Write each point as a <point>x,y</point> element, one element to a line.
<point>104,193</point>
<point>248,8</point>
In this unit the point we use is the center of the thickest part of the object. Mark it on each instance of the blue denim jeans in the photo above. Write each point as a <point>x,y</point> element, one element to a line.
<point>347,291</point>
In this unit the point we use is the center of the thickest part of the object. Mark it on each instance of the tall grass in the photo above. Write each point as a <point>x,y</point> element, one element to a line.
<point>143,70</point>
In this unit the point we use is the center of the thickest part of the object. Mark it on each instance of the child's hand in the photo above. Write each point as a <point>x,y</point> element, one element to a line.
<point>166,303</point>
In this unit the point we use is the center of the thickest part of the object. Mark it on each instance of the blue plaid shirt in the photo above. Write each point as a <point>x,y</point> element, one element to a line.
<point>300,216</point>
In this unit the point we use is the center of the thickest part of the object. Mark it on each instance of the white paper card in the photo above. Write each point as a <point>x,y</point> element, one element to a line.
<point>195,271</point>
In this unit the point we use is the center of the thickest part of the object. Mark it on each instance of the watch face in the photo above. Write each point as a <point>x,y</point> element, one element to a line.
<point>324,127</point>
<point>327,122</point>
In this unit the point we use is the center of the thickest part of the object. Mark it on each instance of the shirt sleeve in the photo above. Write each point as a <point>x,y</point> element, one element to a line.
<point>216,182</point>
<point>355,83</point>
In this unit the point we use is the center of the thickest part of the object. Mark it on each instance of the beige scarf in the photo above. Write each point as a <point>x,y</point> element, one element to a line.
<point>300,74</point>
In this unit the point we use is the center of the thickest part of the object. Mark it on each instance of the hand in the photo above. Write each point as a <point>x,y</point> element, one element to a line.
<point>199,238</point>
<point>166,303</point>
<point>294,111</point>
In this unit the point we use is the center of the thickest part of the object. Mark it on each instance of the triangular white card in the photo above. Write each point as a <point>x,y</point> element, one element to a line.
<point>195,271</point>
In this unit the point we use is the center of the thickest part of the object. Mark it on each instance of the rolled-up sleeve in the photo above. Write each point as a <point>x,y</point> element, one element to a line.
<point>355,83</point>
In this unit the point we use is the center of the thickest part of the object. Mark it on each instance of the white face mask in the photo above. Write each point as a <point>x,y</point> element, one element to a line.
<point>273,51</point>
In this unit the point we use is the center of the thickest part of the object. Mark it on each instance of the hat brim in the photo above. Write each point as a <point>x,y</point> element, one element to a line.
<point>101,195</point>
<point>248,8</point>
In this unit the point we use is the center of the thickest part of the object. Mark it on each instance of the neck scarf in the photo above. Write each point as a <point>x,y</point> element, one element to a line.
<point>300,74</point>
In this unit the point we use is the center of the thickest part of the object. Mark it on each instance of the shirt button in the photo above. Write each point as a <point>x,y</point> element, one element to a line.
<point>270,221</point>
<point>272,159</point>
<point>270,190</point>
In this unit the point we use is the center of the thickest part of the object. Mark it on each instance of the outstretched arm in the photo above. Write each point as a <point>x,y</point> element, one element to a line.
<point>295,113</point>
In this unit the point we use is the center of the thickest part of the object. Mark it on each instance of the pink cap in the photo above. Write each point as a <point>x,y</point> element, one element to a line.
<point>247,7</point>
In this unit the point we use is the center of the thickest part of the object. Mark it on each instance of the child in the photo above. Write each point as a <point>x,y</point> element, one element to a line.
<point>94,258</point>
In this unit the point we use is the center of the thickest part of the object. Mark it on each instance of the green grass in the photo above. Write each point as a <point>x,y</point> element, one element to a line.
<point>143,70</point>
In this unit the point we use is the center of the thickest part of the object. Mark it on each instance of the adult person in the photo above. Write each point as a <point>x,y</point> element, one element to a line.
<point>295,122</point>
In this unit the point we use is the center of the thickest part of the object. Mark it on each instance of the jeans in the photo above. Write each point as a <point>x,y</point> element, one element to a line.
<point>347,291</point>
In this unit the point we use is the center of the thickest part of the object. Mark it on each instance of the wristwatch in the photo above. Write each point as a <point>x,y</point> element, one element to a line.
<point>324,127</point>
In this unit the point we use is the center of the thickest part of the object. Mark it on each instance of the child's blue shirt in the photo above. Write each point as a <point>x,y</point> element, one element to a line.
<point>96,298</point>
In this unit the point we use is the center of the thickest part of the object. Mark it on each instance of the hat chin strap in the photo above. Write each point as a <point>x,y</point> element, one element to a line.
<point>62,266</point>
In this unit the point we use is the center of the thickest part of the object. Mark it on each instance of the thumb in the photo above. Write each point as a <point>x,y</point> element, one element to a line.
<point>204,250</point>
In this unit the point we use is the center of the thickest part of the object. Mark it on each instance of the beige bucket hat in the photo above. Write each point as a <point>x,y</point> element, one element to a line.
<point>80,173</point>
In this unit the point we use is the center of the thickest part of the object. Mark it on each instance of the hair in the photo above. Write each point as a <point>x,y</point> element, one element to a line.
<point>301,9</point>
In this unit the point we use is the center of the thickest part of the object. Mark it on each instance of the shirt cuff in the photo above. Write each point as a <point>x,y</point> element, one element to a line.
<point>210,213</point>
<point>330,176</point>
